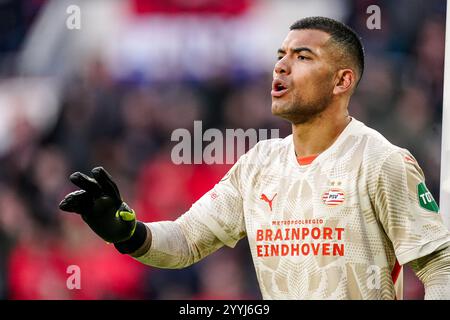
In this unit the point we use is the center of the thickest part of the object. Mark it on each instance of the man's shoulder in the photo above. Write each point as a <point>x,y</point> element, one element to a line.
<point>272,146</point>
<point>265,152</point>
<point>372,136</point>
<point>275,143</point>
<point>377,147</point>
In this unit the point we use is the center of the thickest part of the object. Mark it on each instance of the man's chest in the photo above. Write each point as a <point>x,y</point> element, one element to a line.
<point>313,211</point>
<point>314,194</point>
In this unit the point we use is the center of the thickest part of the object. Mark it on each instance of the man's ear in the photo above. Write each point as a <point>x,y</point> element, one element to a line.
<point>345,81</point>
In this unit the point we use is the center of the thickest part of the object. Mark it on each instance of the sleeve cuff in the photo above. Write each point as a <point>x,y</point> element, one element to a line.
<point>135,242</point>
<point>422,251</point>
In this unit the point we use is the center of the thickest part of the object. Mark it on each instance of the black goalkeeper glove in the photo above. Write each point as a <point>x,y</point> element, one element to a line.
<point>100,205</point>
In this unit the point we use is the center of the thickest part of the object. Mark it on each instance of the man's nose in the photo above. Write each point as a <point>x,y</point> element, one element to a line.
<point>281,67</point>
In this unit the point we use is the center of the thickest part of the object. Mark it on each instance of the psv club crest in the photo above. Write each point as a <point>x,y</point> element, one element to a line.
<point>333,197</point>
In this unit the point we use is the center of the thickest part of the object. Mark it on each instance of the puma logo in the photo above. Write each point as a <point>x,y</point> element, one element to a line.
<point>269,201</point>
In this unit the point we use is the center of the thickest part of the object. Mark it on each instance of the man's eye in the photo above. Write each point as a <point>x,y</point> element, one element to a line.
<point>279,58</point>
<point>302,58</point>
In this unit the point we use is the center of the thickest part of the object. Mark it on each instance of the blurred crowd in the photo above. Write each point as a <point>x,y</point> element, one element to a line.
<point>125,125</point>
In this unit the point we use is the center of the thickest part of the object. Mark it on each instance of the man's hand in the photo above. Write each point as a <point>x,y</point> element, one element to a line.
<point>100,205</point>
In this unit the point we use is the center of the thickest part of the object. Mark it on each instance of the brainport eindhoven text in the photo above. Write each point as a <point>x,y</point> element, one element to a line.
<point>324,241</point>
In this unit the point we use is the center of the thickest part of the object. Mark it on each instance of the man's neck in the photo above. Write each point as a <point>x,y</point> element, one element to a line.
<point>318,134</point>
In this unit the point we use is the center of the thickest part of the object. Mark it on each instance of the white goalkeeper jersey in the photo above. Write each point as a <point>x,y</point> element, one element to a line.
<point>339,227</point>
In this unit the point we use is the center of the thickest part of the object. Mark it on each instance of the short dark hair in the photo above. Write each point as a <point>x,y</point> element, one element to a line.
<point>340,34</point>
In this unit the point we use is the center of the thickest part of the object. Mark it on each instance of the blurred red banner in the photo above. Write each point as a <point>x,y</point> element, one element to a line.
<point>207,7</point>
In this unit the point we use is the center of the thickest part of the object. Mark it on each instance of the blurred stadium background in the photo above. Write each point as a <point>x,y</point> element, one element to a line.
<point>112,92</point>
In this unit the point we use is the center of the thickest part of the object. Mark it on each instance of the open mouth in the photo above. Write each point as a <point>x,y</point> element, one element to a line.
<point>278,88</point>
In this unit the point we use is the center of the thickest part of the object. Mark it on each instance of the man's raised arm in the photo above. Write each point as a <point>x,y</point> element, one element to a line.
<point>214,220</point>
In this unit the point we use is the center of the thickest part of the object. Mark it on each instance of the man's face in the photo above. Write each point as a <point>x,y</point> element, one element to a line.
<point>303,76</point>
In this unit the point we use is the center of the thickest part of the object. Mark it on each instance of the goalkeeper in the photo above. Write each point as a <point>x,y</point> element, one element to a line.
<point>332,211</point>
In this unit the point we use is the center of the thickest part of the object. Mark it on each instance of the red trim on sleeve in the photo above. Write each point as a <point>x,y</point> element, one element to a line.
<point>396,271</point>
